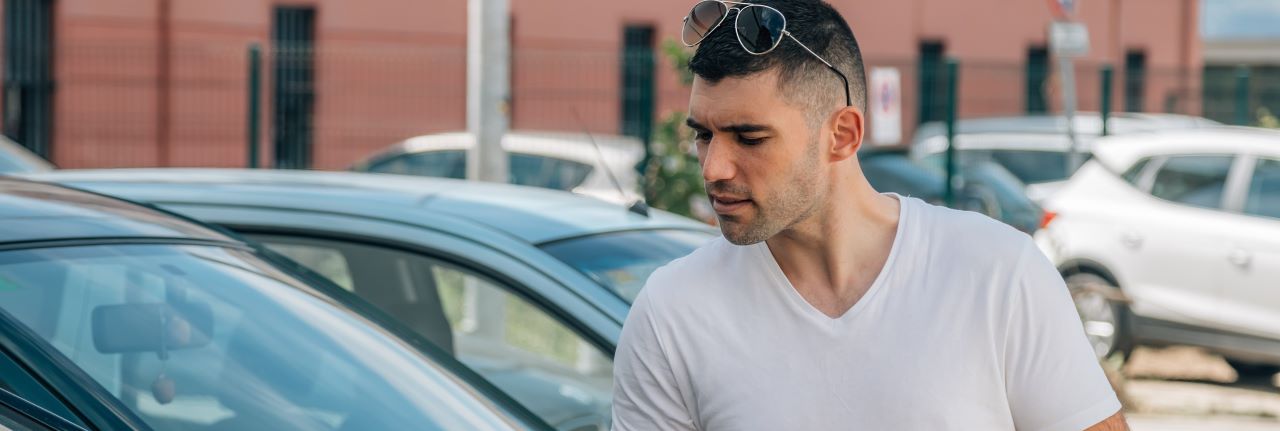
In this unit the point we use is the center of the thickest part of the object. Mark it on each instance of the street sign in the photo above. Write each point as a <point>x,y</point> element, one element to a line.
<point>886,106</point>
<point>1062,9</point>
<point>1069,39</point>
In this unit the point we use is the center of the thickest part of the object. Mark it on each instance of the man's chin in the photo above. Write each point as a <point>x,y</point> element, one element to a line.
<point>737,233</point>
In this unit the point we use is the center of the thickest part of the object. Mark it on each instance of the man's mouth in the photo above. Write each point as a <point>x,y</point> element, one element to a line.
<point>728,204</point>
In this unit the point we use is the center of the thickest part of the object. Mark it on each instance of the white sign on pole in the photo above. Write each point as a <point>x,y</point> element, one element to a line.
<point>886,106</point>
<point>1069,39</point>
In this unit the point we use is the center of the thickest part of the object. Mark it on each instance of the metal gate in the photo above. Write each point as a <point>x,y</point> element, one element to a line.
<point>28,74</point>
<point>293,74</point>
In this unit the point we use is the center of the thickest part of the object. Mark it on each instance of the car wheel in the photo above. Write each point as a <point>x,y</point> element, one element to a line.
<point>1103,318</point>
<point>1248,370</point>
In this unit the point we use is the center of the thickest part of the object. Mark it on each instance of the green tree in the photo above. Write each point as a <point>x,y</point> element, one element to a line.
<point>1267,119</point>
<point>673,179</point>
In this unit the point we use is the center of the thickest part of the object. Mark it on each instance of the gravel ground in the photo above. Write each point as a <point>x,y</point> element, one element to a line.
<point>1183,388</point>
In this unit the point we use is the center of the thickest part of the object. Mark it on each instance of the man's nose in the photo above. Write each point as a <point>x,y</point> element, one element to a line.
<point>717,162</point>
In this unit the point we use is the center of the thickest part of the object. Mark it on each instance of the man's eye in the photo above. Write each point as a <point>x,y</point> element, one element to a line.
<point>751,141</point>
<point>702,136</point>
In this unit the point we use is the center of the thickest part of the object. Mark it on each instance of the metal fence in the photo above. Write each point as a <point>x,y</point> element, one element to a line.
<point>116,104</point>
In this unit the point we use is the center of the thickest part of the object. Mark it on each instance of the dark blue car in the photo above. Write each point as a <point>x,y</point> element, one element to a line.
<point>116,316</point>
<point>527,286</point>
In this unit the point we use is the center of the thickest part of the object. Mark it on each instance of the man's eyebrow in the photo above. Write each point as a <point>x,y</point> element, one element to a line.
<point>746,128</point>
<point>732,128</point>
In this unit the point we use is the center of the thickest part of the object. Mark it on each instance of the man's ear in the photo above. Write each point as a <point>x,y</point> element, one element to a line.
<point>847,127</point>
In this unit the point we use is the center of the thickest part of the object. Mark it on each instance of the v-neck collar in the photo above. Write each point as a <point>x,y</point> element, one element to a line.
<point>804,307</point>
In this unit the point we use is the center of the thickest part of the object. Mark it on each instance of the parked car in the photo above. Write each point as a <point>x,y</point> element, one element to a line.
<point>1174,238</point>
<point>15,158</point>
<point>527,286</point>
<point>20,414</point>
<point>1035,148</point>
<point>116,316</point>
<point>560,161</point>
<point>984,187</point>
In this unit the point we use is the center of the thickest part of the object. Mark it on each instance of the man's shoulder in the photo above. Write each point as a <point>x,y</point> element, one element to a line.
<point>689,275</point>
<point>968,236</point>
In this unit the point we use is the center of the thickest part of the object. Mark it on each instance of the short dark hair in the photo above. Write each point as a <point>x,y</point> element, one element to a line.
<point>802,77</point>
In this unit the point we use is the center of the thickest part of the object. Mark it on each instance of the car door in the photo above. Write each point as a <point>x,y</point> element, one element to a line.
<point>19,414</point>
<point>1250,267</point>
<point>17,382</point>
<point>534,355</point>
<point>1171,243</point>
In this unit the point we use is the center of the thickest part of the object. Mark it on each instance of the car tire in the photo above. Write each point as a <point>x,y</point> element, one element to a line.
<point>1249,370</point>
<point>1104,319</point>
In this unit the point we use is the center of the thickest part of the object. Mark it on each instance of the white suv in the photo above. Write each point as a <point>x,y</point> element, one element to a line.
<point>1174,238</point>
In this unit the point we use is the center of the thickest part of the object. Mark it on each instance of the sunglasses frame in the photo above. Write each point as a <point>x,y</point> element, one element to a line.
<point>742,6</point>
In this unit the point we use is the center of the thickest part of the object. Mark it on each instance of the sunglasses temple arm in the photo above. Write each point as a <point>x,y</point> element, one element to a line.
<point>848,101</point>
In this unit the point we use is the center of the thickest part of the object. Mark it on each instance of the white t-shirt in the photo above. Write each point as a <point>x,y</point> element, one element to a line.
<point>967,327</point>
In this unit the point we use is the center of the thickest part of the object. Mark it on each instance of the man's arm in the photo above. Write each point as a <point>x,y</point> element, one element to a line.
<point>1114,423</point>
<point>1052,377</point>
<point>646,392</point>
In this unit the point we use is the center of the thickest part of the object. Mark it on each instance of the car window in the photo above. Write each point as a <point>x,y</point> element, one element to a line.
<point>198,338</point>
<point>20,414</point>
<point>1264,189</point>
<point>446,164</point>
<point>16,159</point>
<point>1029,166</point>
<point>16,380</point>
<point>1193,180</point>
<point>897,174</point>
<point>1134,173</point>
<point>520,347</point>
<point>623,261</point>
<point>548,172</point>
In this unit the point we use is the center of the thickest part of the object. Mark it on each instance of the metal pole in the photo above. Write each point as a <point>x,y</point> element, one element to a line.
<point>255,91</point>
<point>953,70</point>
<point>488,82</point>
<point>1242,95</point>
<point>1067,71</point>
<point>1106,99</point>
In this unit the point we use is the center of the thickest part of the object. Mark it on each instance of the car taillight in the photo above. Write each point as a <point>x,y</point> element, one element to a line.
<point>1046,218</point>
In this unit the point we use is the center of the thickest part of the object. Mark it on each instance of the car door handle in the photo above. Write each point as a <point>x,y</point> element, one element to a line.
<point>1240,258</point>
<point>1131,239</point>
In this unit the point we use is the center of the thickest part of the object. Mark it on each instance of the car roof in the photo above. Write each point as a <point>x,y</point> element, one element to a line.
<point>32,211</point>
<point>1119,152</point>
<point>534,215</point>
<point>578,147</point>
<point>14,158</point>
<point>1087,123</point>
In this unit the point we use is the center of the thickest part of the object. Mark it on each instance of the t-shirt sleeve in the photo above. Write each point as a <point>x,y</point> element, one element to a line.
<point>1052,377</point>
<point>646,394</point>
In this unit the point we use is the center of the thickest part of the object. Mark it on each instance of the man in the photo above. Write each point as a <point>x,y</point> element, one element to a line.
<point>828,305</point>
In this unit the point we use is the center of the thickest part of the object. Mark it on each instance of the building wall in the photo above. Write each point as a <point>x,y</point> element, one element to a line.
<point>390,69</point>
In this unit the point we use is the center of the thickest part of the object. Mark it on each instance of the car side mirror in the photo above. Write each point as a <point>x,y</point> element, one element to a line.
<point>151,327</point>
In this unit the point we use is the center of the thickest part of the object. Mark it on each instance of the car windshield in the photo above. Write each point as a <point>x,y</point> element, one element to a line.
<point>622,261</point>
<point>210,338</point>
<point>15,159</point>
<point>1030,166</point>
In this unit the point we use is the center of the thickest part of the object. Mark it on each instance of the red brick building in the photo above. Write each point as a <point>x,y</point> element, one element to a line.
<point>98,83</point>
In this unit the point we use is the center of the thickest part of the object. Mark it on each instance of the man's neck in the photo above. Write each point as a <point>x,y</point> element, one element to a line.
<point>833,257</point>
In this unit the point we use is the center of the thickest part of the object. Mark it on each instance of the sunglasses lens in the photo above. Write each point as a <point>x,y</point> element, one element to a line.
<point>700,21</point>
<point>760,28</point>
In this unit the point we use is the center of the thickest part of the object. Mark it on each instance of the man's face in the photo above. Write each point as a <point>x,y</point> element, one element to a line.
<point>760,162</point>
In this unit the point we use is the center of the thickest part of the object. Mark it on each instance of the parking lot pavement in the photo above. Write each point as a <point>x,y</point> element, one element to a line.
<point>1143,422</point>
<point>1182,388</point>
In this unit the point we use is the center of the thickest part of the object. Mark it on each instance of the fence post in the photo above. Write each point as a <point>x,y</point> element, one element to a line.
<point>1105,103</point>
<point>953,70</point>
<point>1242,95</point>
<point>255,98</point>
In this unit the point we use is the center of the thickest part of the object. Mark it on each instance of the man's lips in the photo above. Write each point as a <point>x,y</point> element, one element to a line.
<point>728,204</point>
